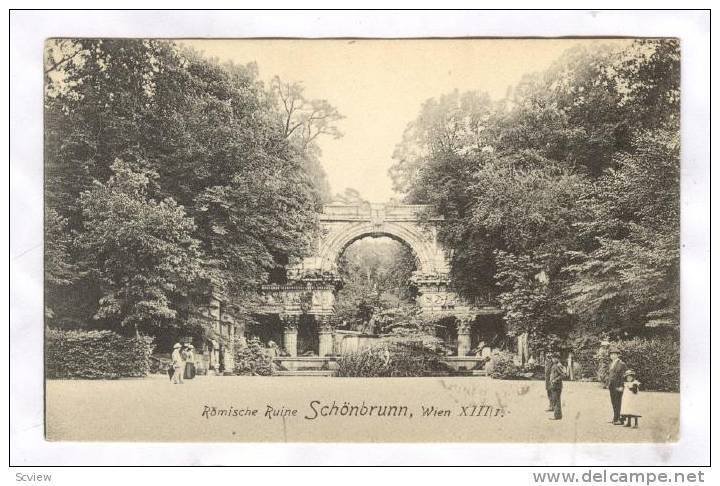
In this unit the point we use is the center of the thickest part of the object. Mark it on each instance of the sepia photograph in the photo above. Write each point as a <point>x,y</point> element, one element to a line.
<point>362,240</point>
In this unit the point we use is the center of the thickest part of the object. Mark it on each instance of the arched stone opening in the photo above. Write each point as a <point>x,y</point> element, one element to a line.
<point>430,259</point>
<point>391,236</point>
<point>376,271</point>
<point>312,283</point>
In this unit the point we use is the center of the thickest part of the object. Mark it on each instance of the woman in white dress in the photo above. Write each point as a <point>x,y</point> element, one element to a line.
<point>178,364</point>
<point>630,407</point>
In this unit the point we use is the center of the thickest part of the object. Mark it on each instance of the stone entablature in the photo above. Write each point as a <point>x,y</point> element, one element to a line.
<point>343,224</point>
<point>316,297</point>
<point>389,212</point>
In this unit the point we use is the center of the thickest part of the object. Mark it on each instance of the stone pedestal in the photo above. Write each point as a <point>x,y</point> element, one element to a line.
<point>325,336</point>
<point>290,332</point>
<point>463,346</point>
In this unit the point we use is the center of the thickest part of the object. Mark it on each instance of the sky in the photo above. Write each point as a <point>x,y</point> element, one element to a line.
<point>380,85</point>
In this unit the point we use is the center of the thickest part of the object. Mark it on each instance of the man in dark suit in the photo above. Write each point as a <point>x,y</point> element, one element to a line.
<point>548,368</point>
<point>616,379</point>
<point>557,373</point>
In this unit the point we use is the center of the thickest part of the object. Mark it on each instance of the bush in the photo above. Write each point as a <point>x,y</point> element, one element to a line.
<point>414,359</point>
<point>397,359</point>
<point>601,361</point>
<point>588,364</point>
<point>252,359</point>
<point>502,366</point>
<point>368,362</point>
<point>588,358</point>
<point>95,355</point>
<point>655,360</point>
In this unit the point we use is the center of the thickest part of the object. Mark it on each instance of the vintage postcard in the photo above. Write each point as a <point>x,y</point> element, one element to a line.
<point>362,240</point>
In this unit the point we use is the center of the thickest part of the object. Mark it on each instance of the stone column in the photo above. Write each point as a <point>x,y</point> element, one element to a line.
<point>290,332</point>
<point>463,330</point>
<point>325,340</point>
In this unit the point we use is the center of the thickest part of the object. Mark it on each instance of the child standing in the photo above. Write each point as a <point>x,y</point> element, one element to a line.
<point>630,408</point>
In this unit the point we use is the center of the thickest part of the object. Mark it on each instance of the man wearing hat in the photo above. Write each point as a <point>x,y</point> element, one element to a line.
<point>557,373</point>
<point>616,381</point>
<point>548,369</point>
<point>178,364</point>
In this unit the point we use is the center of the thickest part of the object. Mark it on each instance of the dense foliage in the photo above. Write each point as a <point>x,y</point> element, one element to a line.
<point>170,176</point>
<point>95,355</point>
<point>560,202</point>
<point>408,324</point>
<point>252,359</point>
<point>367,363</point>
<point>396,359</point>
<point>590,358</point>
<point>656,362</point>
<point>413,358</point>
<point>376,274</point>
<point>502,366</point>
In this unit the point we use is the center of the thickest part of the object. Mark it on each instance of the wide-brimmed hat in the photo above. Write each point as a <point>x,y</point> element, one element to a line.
<point>189,346</point>
<point>177,345</point>
<point>629,373</point>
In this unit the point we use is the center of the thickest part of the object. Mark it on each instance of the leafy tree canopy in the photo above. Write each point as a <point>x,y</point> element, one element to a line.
<point>561,201</point>
<point>156,158</point>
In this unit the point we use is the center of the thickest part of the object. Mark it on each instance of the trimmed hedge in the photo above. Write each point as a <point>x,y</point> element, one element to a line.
<point>656,360</point>
<point>95,355</point>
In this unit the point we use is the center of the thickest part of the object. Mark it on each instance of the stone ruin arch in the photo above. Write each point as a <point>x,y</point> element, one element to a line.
<point>313,282</point>
<point>342,225</point>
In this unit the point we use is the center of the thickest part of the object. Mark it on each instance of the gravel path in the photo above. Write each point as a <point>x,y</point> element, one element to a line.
<point>152,409</point>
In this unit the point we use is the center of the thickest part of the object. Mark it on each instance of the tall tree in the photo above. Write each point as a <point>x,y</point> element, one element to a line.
<point>564,198</point>
<point>208,131</point>
<point>303,122</point>
<point>139,250</point>
<point>631,275</point>
<point>454,124</point>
